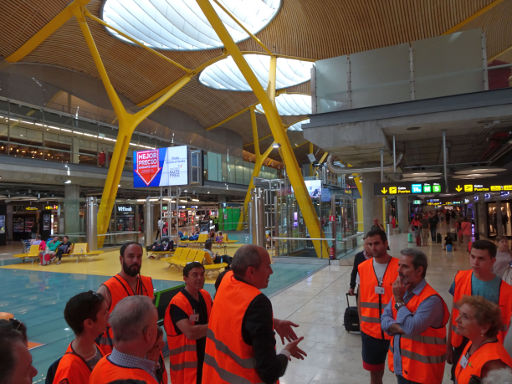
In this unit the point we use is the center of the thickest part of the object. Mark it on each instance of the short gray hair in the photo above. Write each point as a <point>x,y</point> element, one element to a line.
<point>130,316</point>
<point>418,258</point>
<point>246,256</point>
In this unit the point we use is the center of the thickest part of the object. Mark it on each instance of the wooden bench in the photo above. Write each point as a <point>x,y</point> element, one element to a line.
<point>33,253</point>
<point>82,250</point>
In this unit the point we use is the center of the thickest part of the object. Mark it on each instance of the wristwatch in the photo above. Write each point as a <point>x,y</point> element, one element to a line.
<point>399,304</point>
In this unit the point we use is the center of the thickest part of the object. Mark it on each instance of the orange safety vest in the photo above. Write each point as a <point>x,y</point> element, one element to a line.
<point>182,351</point>
<point>463,287</point>
<point>106,372</point>
<point>228,359</point>
<point>487,352</point>
<point>72,368</point>
<point>371,303</point>
<point>119,288</point>
<point>423,355</point>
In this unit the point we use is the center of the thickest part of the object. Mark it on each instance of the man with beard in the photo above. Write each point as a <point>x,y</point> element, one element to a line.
<point>128,282</point>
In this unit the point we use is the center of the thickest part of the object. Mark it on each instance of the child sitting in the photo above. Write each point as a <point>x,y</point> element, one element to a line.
<point>448,243</point>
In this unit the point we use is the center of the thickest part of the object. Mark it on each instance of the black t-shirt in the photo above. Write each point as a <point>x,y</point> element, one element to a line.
<point>178,314</point>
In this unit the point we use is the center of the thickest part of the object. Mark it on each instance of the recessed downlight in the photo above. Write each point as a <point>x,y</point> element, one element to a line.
<point>480,170</point>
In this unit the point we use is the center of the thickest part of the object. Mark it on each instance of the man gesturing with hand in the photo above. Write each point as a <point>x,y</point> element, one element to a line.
<point>240,340</point>
<point>416,319</point>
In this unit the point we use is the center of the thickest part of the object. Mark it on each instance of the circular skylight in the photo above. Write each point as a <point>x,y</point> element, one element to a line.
<point>225,74</point>
<point>180,24</point>
<point>297,127</point>
<point>291,105</point>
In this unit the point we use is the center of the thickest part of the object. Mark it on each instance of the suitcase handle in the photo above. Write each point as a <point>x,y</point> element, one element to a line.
<point>348,303</point>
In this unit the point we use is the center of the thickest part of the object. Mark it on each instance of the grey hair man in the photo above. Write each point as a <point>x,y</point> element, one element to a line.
<point>137,343</point>
<point>241,326</point>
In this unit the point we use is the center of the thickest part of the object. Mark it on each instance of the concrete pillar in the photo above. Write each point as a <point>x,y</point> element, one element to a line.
<point>402,207</point>
<point>75,149</point>
<point>372,205</point>
<point>71,209</point>
<point>481,218</point>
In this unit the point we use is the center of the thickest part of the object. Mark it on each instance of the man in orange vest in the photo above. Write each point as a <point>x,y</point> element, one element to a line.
<point>480,280</point>
<point>416,318</point>
<point>127,282</point>
<point>376,276</point>
<point>136,344</point>
<point>87,315</point>
<point>186,323</point>
<point>240,344</point>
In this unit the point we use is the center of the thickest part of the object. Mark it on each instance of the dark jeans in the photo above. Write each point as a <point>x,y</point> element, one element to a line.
<point>433,233</point>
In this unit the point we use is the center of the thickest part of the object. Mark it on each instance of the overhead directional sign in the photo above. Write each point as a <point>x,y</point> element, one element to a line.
<point>481,186</point>
<point>390,189</point>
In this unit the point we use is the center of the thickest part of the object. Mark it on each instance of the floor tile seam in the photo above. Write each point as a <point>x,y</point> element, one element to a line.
<point>315,295</point>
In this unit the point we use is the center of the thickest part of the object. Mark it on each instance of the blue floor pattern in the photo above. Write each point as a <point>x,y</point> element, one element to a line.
<point>38,299</point>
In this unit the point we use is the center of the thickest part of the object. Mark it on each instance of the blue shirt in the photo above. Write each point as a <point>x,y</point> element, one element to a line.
<point>429,313</point>
<point>489,290</point>
<point>130,361</point>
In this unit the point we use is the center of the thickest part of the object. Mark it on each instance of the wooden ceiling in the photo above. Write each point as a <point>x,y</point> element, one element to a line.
<point>308,29</point>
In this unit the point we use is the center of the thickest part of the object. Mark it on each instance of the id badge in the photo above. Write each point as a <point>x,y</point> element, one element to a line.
<point>194,317</point>
<point>463,361</point>
<point>379,290</point>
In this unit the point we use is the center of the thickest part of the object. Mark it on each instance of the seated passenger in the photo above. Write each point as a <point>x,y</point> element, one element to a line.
<point>219,238</point>
<point>480,321</point>
<point>38,241</point>
<point>65,247</point>
<point>52,245</point>
<point>87,315</point>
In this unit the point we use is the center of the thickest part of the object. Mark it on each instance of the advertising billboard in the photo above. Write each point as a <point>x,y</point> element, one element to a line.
<point>160,167</point>
<point>314,188</point>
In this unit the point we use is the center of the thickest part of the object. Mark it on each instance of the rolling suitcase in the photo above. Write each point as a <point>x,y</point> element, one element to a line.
<point>351,317</point>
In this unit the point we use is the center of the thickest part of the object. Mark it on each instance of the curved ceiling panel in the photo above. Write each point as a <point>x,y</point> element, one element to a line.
<point>180,24</point>
<point>225,74</point>
<point>291,105</point>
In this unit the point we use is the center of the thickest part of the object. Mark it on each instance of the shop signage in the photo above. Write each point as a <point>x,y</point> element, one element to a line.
<point>386,189</point>
<point>161,167</point>
<point>124,209</point>
<point>30,208</point>
<point>51,207</point>
<point>332,218</point>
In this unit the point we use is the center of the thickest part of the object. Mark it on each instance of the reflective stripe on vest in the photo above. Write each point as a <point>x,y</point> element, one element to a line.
<point>423,356</point>
<point>228,358</point>
<point>182,351</point>
<point>487,352</point>
<point>371,304</point>
<point>463,287</point>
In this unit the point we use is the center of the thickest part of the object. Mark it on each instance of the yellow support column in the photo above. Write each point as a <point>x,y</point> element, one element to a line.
<point>276,126</point>
<point>127,124</point>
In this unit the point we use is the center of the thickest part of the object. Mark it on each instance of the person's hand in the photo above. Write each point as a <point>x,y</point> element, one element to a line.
<point>284,329</point>
<point>449,354</point>
<point>395,329</point>
<point>294,349</point>
<point>351,292</point>
<point>399,289</point>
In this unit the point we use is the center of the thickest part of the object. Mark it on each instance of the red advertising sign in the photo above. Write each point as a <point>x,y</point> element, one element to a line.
<point>332,218</point>
<point>147,165</point>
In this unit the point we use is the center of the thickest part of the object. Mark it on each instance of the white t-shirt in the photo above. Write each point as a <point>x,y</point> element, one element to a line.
<point>380,270</point>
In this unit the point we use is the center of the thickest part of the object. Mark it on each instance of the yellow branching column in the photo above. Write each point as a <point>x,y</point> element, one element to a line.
<point>260,158</point>
<point>127,124</point>
<point>276,126</point>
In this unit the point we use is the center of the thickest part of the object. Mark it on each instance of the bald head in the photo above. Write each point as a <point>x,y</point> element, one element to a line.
<point>130,317</point>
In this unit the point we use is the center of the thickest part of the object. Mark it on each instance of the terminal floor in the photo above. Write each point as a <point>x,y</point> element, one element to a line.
<point>37,294</point>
